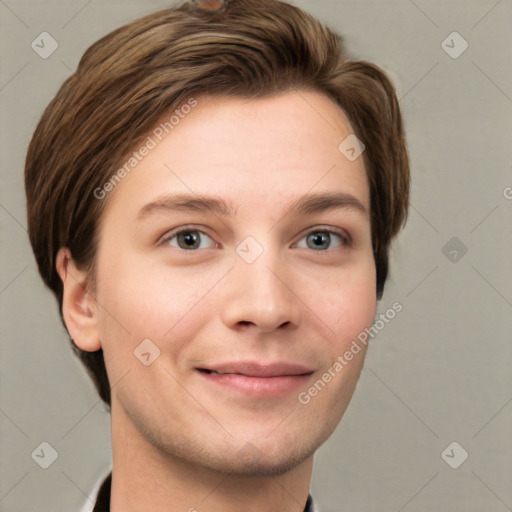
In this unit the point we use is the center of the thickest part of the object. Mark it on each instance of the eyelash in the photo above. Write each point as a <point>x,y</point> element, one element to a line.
<point>346,241</point>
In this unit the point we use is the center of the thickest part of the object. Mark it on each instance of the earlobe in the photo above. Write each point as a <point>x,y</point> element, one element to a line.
<point>79,308</point>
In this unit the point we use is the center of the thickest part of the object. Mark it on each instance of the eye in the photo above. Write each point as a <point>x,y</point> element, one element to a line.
<point>322,239</point>
<point>188,239</point>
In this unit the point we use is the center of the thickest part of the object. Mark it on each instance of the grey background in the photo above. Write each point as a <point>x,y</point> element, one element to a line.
<point>439,372</point>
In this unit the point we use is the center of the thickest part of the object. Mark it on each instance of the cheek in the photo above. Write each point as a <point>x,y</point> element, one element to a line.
<point>141,300</point>
<point>348,307</point>
<point>345,301</point>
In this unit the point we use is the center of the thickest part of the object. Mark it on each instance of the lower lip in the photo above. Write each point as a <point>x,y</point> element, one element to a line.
<point>259,386</point>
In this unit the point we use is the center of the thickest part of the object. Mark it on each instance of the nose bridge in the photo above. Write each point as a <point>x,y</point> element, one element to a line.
<point>257,290</point>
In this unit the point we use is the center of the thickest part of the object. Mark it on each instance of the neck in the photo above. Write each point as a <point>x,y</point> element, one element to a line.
<point>144,478</point>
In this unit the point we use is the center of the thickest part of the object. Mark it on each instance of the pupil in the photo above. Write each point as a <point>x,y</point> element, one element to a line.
<point>320,239</point>
<point>189,239</point>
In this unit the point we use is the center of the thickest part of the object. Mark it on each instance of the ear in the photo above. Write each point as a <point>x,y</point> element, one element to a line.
<point>79,307</point>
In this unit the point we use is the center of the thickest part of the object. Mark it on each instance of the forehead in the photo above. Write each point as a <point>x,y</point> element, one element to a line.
<point>250,151</point>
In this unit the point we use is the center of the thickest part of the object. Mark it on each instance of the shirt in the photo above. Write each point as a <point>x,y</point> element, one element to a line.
<point>103,499</point>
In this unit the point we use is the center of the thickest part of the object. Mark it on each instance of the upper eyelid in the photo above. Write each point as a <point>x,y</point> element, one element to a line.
<point>337,231</point>
<point>343,234</point>
<point>173,232</point>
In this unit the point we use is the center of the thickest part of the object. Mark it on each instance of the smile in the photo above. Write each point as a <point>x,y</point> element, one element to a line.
<point>269,380</point>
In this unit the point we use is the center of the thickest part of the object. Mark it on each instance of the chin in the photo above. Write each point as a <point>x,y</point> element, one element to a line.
<point>264,457</point>
<point>251,461</point>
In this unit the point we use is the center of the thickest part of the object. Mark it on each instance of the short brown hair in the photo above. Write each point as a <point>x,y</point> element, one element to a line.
<point>129,79</point>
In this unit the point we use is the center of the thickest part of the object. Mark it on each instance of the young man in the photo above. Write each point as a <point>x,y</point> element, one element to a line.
<point>212,197</point>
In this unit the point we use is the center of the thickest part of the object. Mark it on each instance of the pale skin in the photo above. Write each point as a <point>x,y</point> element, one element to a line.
<point>182,440</point>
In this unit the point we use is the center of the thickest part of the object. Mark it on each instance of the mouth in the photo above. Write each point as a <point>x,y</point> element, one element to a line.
<point>250,369</point>
<point>273,379</point>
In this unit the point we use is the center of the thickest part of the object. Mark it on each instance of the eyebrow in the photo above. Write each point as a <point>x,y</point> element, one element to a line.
<point>306,205</point>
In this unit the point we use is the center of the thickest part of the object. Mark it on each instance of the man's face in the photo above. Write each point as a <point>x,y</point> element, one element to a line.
<point>248,307</point>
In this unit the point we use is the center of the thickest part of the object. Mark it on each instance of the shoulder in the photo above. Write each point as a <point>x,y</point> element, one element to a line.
<point>99,500</point>
<point>310,505</point>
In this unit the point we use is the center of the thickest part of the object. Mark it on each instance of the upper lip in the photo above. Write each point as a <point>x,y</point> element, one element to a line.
<point>254,369</point>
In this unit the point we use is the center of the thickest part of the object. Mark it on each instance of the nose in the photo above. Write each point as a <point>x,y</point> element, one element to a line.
<point>260,294</point>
